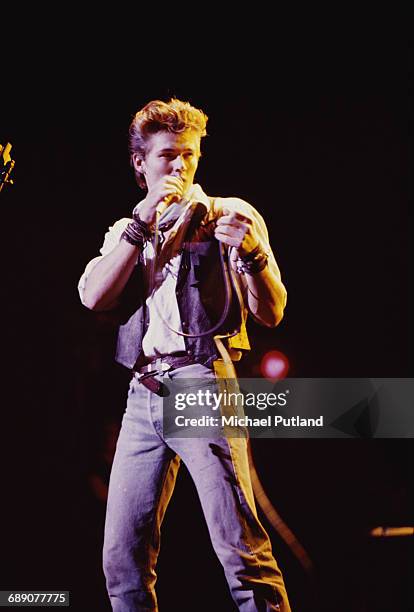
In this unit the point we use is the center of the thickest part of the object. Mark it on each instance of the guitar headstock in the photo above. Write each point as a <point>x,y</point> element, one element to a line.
<point>6,165</point>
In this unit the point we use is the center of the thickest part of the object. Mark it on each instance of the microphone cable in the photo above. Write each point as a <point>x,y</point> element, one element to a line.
<point>225,268</point>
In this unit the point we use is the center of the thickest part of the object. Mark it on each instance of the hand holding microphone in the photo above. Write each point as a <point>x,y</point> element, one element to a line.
<point>164,192</point>
<point>164,204</point>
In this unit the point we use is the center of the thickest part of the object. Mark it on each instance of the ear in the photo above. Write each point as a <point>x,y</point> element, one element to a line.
<point>139,168</point>
<point>139,163</point>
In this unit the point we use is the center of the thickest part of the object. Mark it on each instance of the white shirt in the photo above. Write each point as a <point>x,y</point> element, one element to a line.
<point>164,317</point>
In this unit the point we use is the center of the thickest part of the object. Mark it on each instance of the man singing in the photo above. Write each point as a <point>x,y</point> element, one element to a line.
<point>161,273</point>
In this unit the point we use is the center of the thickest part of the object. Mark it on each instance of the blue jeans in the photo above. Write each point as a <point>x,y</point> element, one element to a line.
<point>142,481</point>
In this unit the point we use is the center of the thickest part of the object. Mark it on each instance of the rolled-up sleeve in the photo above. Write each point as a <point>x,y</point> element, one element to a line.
<point>111,239</point>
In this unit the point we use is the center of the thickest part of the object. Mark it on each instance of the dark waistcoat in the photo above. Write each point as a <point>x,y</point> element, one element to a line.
<point>200,294</point>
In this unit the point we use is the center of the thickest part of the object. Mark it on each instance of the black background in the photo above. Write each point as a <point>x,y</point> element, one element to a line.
<point>316,138</point>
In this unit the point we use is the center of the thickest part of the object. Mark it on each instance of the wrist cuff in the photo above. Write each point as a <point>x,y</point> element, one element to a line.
<point>253,262</point>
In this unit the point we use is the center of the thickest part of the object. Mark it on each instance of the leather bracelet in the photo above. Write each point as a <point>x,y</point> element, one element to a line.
<point>251,256</point>
<point>133,235</point>
<point>143,227</point>
<point>253,262</point>
<point>136,232</point>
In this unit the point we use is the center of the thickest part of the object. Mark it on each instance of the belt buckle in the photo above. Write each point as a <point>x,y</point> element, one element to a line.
<point>162,367</point>
<point>154,368</point>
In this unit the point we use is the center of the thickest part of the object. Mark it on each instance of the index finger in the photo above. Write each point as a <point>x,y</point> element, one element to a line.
<point>234,214</point>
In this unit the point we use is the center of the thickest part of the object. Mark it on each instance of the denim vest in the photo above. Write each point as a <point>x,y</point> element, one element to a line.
<point>200,294</point>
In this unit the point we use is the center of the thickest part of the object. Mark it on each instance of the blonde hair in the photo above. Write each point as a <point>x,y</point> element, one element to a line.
<point>173,116</point>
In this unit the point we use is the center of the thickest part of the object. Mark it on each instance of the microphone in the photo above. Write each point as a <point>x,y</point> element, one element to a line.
<point>165,203</point>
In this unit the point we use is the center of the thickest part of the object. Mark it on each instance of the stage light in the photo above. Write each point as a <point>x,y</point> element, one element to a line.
<point>382,532</point>
<point>274,365</point>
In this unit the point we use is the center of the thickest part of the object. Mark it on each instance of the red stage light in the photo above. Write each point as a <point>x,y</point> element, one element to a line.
<point>274,365</point>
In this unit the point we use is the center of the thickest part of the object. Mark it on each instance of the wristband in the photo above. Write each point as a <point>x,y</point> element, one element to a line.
<point>136,232</point>
<point>253,262</point>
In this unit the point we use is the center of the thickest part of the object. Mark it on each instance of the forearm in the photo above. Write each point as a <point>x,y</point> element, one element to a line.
<point>108,278</point>
<point>266,296</point>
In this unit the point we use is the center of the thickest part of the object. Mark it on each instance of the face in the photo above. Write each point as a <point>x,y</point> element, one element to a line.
<point>171,154</point>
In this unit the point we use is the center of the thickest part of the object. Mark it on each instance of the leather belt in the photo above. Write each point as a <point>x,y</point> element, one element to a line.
<point>163,364</point>
<point>146,373</point>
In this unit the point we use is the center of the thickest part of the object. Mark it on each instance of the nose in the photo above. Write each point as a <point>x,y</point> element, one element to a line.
<point>179,163</point>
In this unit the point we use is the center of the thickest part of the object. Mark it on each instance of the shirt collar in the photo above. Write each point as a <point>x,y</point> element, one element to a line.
<point>196,194</point>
